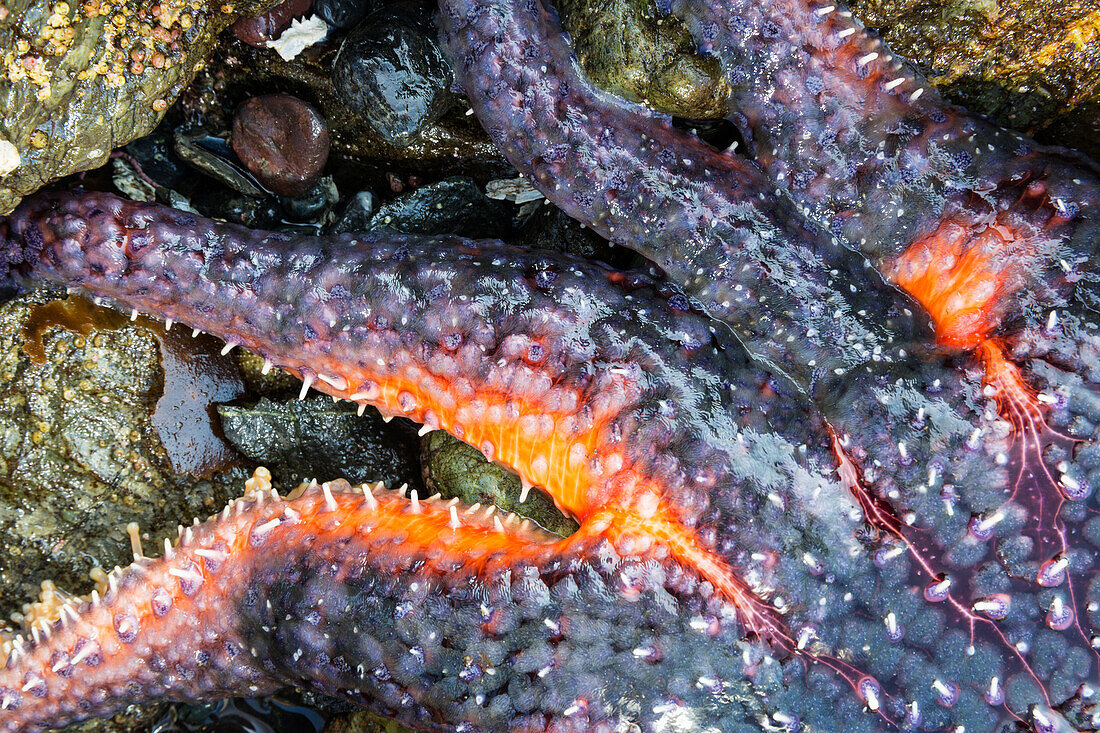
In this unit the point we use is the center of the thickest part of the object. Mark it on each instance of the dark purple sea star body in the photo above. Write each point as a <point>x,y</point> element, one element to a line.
<point>930,566</point>
<point>586,634</point>
<point>924,437</point>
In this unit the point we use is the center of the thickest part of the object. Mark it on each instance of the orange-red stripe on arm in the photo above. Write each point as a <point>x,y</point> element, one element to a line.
<point>550,437</point>
<point>962,279</point>
<point>656,529</point>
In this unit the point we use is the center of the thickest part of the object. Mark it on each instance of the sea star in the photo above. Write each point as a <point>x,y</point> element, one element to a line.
<point>982,225</point>
<point>690,474</point>
<point>703,486</point>
<point>713,221</point>
<point>682,460</point>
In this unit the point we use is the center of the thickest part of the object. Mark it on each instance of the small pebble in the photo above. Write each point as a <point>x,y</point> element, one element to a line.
<point>268,26</point>
<point>283,141</point>
<point>356,215</point>
<point>311,205</point>
<point>391,71</point>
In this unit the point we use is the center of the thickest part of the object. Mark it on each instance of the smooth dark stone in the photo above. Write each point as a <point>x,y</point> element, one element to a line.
<point>283,141</point>
<point>391,71</point>
<point>268,26</point>
<point>310,206</point>
<point>344,14</point>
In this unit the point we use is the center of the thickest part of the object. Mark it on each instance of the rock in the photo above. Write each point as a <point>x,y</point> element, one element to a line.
<point>1032,65</point>
<point>548,227</point>
<point>213,156</point>
<point>451,206</point>
<point>359,158</point>
<point>254,213</point>
<point>317,438</point>
<point>158,160</point>
<point>362,721</point>
<point>344,14</point>
<point>81,452</point>
<point>453,468</point>
<point>314,205</point>
<point>393,73</point>
<point>103,75</point>
<point>267,26</point>
<point>283,141</point>
<point>628,48</point>
<point>356,215</point>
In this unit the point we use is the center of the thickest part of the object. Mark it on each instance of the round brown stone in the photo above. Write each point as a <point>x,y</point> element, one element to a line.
<point>283,141</point>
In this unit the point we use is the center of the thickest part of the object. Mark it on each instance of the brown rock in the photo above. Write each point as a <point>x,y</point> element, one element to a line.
<point>283,141</point>
<point>257,31</point>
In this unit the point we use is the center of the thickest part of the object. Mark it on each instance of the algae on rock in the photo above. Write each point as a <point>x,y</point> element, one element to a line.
<point>80,455</point>
<point>1032,65</point>
<point>628,48</point>
<point>80,78</point>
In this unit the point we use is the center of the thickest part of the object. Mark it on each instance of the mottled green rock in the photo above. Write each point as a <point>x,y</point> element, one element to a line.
<point>626,47</point>
<point>80,77</point>
<point>1033,65</point>
<point>318,439</point>
<point>80,456</point>
<point>456,469</point>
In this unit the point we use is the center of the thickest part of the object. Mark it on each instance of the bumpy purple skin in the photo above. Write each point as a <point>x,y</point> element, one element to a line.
<point>720,449</point>
<point>796,298</point>
<point>742,456</point>
<point>871,151</point>
<point>928,440</point>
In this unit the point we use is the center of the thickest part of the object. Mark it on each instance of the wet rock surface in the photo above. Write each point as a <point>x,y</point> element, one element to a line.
<point>548,227</point>
<point>283,141</point>
<point>80,454</point>
<point>103,75</point>
<point>392,72</point>
<point>318,439</point>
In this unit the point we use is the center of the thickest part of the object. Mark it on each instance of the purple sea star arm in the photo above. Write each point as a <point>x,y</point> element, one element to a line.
<point>333,590</point>
<point>797,299</point>
<point>440,614</point>
<point>872,152</point>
